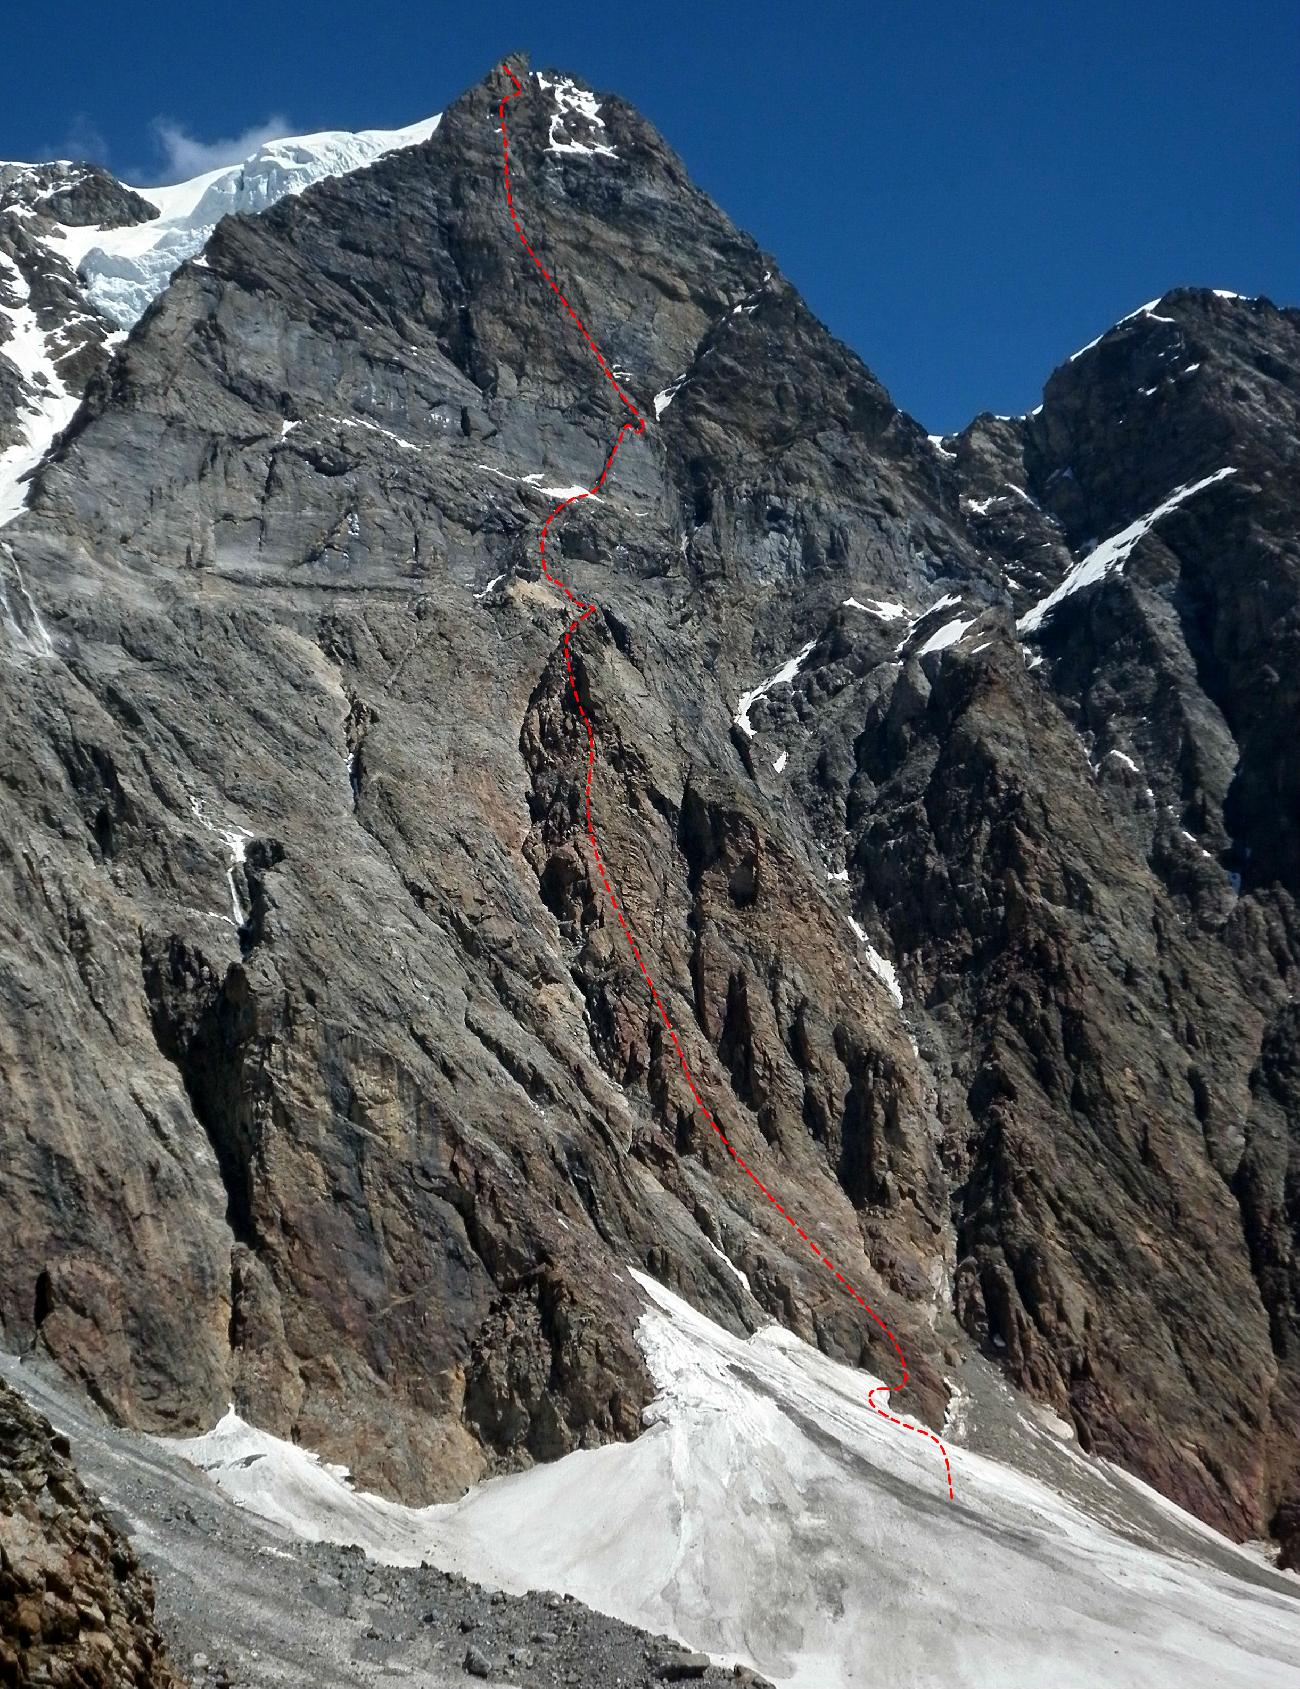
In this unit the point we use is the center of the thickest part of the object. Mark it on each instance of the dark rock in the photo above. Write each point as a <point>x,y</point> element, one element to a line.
<point>680,1666</point>
<point>1285,1526</point>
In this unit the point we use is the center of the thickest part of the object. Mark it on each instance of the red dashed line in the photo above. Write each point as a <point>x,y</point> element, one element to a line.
<point>637,426</point>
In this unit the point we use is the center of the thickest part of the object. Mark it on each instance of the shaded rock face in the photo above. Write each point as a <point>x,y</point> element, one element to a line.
<point>75,1606</point>
<point>1178,675</point>
<point>335,1088</point>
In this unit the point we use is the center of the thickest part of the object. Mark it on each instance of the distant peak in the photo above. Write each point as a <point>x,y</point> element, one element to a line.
<point>125,269</point>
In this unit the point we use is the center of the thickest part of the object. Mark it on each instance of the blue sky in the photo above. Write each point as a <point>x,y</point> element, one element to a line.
<point>965,190</point>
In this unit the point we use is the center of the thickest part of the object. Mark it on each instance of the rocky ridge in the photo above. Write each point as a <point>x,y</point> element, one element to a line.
<point>982,936</point>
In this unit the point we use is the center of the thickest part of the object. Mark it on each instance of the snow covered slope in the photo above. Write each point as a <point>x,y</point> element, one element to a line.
<point>768,1515</point>
<point>125,269</point>
<point>45,405</point>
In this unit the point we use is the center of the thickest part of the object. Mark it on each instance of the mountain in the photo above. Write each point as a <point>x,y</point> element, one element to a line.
<point>82,256</point>
<point>124,268</point>
<point>946,784</point>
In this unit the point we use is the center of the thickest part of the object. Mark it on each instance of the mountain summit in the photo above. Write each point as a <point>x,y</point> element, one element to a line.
<point>948,783</point>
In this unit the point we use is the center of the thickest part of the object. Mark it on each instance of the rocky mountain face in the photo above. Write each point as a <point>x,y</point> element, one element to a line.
<point>82,256</point>
<point>946,785</point>
<point>75,1606</point>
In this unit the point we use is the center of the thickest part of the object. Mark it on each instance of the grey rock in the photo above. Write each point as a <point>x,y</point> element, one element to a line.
<point>75,195</point>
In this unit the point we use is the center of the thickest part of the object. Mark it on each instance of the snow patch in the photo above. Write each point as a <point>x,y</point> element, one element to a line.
<point>883,970</point>
<point>33,640</point>
<point>236,841</point>
<point>944,603</point>
<point>1112,554</point>
<point>783,676</point>
<point>665,397</point>
<point>947,635</point>
<point>956,1417</point>
<point>731,1265</point>
<point>374,427</point>
<point>882,607</point>
<point>536,480</point>
<point>570,102</point>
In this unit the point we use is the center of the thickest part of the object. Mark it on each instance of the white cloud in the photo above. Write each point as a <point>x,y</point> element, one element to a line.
<point>184,156</point>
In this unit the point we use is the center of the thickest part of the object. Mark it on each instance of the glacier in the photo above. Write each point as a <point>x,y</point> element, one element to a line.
<point>767,1516</point>
<point>124,270</point>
